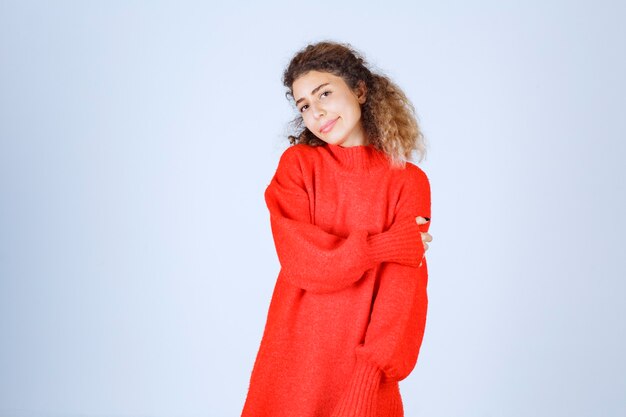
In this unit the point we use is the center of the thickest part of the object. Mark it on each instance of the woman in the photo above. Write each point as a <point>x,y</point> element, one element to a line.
<point>350,220</point>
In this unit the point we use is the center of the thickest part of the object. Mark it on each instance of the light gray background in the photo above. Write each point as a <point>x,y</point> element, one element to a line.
<point>136,257</point>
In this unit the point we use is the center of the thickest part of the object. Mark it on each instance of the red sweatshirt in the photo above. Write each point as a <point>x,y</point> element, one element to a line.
<point>348,311</point>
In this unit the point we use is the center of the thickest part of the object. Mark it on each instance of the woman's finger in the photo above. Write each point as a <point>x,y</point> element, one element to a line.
<point>421,220</point>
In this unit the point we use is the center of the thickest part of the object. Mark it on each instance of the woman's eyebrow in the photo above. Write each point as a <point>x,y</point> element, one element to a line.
<point>312,92</point>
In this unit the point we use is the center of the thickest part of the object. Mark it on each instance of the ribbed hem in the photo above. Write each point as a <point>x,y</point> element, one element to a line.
<point>359,398</point>
<point>402,243</point>
<point>390,400</point>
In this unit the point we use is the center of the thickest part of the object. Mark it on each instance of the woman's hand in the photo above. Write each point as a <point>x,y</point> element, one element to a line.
<point>426,237</point>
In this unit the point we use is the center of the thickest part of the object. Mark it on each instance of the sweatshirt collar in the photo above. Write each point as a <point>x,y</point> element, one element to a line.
<point>360,157</point>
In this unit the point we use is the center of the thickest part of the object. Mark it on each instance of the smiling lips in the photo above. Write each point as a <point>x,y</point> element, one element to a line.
<point>328,126</point>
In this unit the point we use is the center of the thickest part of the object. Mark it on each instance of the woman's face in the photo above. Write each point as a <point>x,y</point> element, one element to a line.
<point>330,109</point>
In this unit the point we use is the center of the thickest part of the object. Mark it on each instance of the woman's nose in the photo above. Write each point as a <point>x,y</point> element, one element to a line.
<point>318,112</point>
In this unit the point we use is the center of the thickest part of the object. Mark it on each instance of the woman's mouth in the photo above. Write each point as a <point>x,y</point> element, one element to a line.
<point>328,126</point>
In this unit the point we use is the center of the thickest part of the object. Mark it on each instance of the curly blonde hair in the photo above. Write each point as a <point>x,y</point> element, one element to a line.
<point>388,116</point>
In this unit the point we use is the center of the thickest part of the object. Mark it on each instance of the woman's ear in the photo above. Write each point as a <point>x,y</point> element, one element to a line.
<point>361,91</point>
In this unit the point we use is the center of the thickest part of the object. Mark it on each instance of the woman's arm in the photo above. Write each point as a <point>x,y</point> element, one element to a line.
<point>394,334</point>
<point>316,260</point>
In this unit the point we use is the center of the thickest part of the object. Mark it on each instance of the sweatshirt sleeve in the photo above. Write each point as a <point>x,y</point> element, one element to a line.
<point>316,260</point>
<point>394,334</point>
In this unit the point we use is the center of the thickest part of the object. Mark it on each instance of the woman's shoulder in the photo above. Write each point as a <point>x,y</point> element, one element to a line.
<point>300,149</point>
<point>297,156</point>
<point>414,174</point>
<point>292,150</point>
<point>415,189</point>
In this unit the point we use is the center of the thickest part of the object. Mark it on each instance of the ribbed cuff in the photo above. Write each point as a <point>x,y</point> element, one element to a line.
<point>361,395</point>
<point>402,243</point>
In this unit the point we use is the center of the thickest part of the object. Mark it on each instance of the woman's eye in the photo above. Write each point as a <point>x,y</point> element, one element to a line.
<point>321,95</point>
